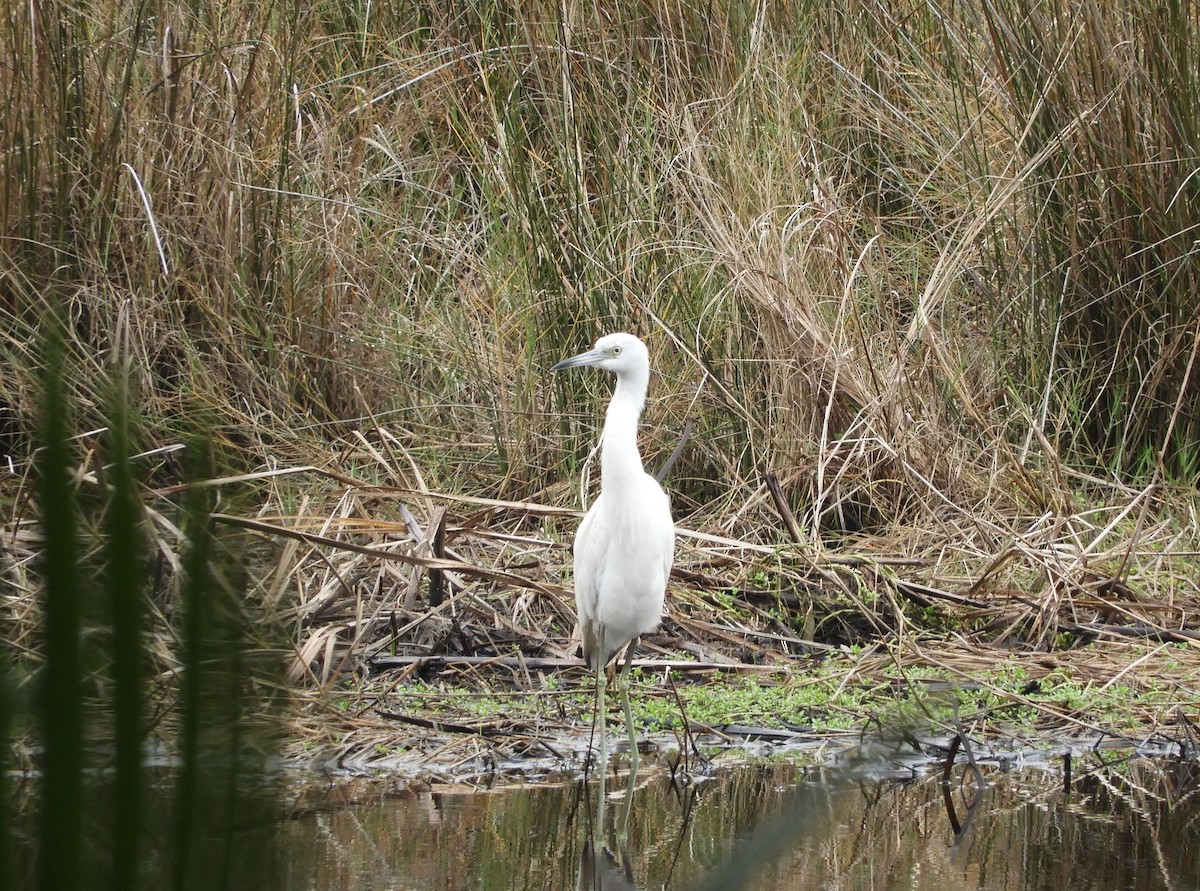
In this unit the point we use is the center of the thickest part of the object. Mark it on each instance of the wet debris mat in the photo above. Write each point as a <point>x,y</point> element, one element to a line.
<point>438,629</point>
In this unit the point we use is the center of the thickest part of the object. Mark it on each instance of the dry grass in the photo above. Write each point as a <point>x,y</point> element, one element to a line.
<point>876,255</point>
<point>378,601</point>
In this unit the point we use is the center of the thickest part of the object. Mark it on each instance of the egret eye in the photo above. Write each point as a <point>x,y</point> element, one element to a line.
<point>616,351</point>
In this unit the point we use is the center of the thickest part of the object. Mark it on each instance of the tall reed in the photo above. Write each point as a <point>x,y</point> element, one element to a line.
<point>97,719</point>
<point>1115,289</point>
<point>64,604</point>
<point>897,254</point>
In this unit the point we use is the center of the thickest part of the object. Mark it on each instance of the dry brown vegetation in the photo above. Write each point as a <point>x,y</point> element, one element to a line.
<point>919,283</point>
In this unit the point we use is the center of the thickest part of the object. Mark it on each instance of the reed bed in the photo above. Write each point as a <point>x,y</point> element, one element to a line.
<point>919,284</point>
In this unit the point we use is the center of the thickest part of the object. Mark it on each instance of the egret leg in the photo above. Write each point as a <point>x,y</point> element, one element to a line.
<point>634,758</point>
<point>601,729</point>
<point>623,688</point>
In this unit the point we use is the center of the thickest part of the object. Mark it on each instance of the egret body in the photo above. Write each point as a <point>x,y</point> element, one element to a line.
<point>626,543</point>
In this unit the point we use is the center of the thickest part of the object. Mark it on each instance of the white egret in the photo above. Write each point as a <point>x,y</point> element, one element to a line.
<point>626,543</point>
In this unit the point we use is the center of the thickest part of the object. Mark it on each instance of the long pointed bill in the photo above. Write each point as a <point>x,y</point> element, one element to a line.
<point>591,357</point>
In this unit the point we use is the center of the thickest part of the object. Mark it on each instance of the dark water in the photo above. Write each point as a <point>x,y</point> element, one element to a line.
<point>1119,823</point>
<point>1129,824</point>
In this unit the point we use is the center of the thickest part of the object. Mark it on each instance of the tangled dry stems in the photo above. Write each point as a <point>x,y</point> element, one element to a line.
<point>1093,593</point>
<point>867,251</point>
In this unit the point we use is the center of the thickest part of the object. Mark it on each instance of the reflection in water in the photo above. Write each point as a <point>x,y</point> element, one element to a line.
<point>1125,825</point>
<point>598,830</point>
<point>598,866</point>
<point>601,871</point>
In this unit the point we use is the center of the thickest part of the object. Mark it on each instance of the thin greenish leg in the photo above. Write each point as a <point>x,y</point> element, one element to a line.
<point>634,758</point>
<point>601,728</point>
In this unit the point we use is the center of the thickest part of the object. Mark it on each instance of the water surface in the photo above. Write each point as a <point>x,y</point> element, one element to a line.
<point>1120,823</point>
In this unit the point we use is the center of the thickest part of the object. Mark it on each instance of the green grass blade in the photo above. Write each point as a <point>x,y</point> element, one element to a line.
<point>61,682</point>
<point>8,708</point>
<point>125,579</point>
<point>197,629</point>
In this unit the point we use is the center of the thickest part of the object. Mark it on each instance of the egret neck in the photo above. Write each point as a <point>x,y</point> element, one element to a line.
<point>620,461</point>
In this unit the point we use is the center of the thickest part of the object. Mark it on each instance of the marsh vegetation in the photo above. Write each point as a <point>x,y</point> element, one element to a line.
<point>919,281</point>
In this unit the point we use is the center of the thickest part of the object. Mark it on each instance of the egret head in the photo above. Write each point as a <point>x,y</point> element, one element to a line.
<point>619,353</point>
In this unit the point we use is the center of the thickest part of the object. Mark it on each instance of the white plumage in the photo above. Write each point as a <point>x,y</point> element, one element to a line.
<point>626,543</point>
<point>623,554</point>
